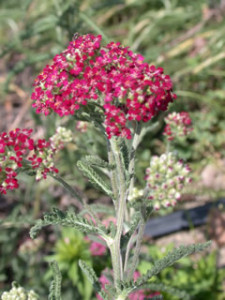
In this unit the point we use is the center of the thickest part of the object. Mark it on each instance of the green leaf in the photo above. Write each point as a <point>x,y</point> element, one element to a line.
<point>97,161</point>
<point>100,208</point>
<point>94,177</point>
<point>160,287</point>
<point>165,262</point>
<point>67,219</point>
<point>170,259</point>
<point>55,287</point>
<point>91,275</point>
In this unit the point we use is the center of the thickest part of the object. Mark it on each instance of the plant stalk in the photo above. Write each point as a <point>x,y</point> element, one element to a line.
<point>115,247</point>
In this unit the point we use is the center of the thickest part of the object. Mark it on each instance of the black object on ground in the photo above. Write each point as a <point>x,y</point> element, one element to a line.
<point>180,220</point>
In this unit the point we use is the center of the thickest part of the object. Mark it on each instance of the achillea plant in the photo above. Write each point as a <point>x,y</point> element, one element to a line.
<point>118,92</point>
<point>177,125</point>
<point>19,293</point>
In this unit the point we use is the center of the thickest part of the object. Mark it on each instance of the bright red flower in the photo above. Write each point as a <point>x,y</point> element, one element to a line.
<point>16,147</point>
<point>112,75</point>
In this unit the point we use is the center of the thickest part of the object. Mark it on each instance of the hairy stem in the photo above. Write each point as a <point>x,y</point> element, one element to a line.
<point>135,143</point>
<point>121,207</point>
<point>129,246</point>
<point>113,176</point>
<point>137,248</point>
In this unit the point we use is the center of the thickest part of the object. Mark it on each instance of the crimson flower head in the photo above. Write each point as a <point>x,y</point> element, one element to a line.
<point>13,147</point>
<point>110,76</point>
<point>18,151</point>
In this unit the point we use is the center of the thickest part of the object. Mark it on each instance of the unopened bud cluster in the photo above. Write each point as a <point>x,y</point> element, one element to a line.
<point>177,125</point>
<point>19,293</point>
<point>30,246</point>
<point>82,126</point>
<point>166,178</point>
<point>61,137</point>
<point>135,194</point>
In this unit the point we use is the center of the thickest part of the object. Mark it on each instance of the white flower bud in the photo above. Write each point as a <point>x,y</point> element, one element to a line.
<point>165,180</point>
<point>19,293</point>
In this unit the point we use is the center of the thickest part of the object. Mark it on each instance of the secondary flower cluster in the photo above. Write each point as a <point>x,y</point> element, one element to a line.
<point>18,151</point>
<point>61,137</point>
<point>166,178</point>
<point>112,76</point>
<point>82,126</point>
<point>137,295</point>
<point>135,194</point>
<point>177,124</point>
<point>30,246</point>
<point>19,293</point>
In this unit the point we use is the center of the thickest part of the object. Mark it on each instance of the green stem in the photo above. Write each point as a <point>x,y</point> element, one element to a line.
<point>68,188</point>
<point>137,248</point>
<point>113,176</point>
<point>135,143</point>
<point>129,245</point>
<point>115,247</point>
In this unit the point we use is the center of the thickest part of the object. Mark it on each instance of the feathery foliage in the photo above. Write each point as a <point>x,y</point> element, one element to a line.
<point>97,162</point>
<point>94,177</point>
<point>67,219</point>
<point>90,273</point>
<point>55,287</point>
<point>160,287</point>
<point>170,259</point>
<point>166,261</point>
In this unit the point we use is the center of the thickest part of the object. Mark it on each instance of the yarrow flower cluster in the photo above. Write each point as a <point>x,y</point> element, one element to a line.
<point>111,76</point>
<point>30,246</point>
<point>19,293</point>
<point>166,178</point>
<point>137,295</point>
<point>19,151</point>
<point>177,124</point>
<point>82,126</point>
<point>135,194</point>
<point>62,136</point>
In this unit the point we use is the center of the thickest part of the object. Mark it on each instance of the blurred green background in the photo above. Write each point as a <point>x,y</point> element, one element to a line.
<point>186,38</point>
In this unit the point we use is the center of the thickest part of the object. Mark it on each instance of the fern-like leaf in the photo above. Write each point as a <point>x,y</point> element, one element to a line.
<point>100,208</point>
<point>166,261</point>
<point>91,275</point>
<point>67,219</point>
<point>160,287</point>
<point>97,162</point>
<point>55,287</point>
<point>94,177</point>
<point>170,259</point>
